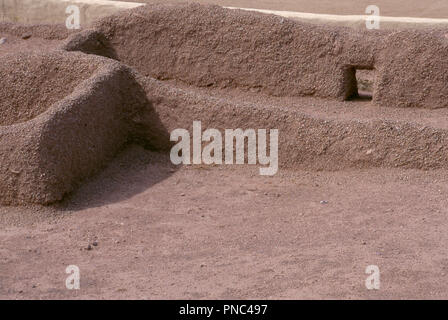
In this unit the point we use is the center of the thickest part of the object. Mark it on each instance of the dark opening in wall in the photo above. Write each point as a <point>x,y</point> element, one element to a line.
<point>359,83</point>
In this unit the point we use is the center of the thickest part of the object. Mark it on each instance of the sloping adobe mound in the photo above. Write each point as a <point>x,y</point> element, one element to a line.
<point>30,87</point>
<point>84,116</point>
<point>213,46</point>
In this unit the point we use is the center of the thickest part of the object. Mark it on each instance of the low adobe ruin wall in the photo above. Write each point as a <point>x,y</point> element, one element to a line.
<point>412,69</point>
<point>63,115</point>
<point>213,46</point>
<point>306,141</point>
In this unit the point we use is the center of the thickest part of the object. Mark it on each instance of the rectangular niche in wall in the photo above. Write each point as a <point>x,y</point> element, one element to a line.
<point>359,83</point>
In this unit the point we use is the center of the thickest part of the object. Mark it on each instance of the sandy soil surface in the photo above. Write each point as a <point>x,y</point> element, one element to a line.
<point>226,232</point>
<point>393,8</point>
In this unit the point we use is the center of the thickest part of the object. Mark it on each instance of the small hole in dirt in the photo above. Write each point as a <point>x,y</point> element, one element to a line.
<point>359,83</point>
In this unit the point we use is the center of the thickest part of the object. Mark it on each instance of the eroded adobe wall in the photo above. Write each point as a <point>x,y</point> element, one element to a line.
<point>46,153</point>
<point>306,141</point>
<point>213,46</point>
<point>412,69</point>
<point>29,88</point>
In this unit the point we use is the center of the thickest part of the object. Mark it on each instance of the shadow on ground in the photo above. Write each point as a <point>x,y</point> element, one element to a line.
<point>134,170</point>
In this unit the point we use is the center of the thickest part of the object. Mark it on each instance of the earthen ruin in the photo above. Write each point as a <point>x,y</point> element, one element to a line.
<point>138,74</point>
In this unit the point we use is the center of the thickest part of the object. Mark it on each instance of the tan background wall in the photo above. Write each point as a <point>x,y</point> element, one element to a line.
<point>410,14</point>
<point>390,8</point>
<point>53,11</point>
<point>358,21</point>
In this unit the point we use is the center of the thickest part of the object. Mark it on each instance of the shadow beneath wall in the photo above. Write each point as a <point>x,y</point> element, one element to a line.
<point>142,162</point>
<point>134,170</point>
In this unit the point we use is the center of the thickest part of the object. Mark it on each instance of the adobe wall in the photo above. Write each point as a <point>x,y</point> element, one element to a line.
<point>212,46</point>
<point>412,69</point>
<point>306,141</point>
<point>88,109</point>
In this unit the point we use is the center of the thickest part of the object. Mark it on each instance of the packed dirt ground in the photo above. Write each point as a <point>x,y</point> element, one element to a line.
<point>228,233</point>
<point>144,229</point>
